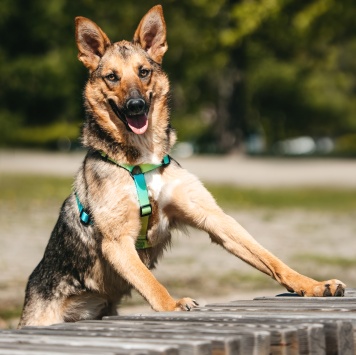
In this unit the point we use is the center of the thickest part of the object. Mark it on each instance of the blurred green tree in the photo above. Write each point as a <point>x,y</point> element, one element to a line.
<point>278,68</point>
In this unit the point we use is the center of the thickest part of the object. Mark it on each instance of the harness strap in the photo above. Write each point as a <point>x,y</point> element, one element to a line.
<point>145,210</point>
<point>137,173</point>
<point>83,215</point>
<point>145,168</point>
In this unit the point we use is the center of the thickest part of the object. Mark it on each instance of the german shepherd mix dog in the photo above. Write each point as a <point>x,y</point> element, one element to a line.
<point>129,195</point>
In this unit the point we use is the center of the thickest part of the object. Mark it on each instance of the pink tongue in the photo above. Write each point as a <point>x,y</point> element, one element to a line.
<point>138,124</point>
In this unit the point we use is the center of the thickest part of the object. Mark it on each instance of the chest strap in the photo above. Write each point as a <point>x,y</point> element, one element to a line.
<point>137,172</point>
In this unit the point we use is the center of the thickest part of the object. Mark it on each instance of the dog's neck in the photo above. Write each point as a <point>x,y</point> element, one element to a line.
<point>127,147</point>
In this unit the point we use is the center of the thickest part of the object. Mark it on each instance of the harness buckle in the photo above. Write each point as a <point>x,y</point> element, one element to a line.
<point>136,170</point>
<point>145,210</point>
<point>84,218</point>
<point>166,160</point>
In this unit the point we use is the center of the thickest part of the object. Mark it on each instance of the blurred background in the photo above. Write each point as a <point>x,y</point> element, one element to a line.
<point>254,84</point>
<point>268,76</point>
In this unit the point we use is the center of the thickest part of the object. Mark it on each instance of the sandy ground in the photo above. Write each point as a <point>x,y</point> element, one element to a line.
<point>194,266</point>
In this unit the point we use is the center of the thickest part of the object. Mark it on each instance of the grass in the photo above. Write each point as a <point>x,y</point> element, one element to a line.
<point>306,198</point>
<point>323,267</point>
<point>11,312</point>
<point>323,260</point>
<point>29,189</point>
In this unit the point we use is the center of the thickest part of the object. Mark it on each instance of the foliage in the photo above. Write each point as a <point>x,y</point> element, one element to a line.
<point>58,135</point>
<point>346,144</point>
<point>279,68</point>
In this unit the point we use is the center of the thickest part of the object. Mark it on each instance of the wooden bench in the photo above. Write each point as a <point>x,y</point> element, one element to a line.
<point>266,325</point>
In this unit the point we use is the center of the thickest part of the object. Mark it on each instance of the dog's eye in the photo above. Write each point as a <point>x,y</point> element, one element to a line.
<point>111,77</point>
<point>143,73</point>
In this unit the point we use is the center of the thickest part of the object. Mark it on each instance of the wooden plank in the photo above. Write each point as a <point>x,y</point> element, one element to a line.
<point>281,337</point>
<point>349,293</point>
<point>219,343</point>
<point>251,340</point>
<point>186,346</point>
<point>97,342</point>
<point>287,299</point>
<point>29,349</point>
<point>278,304</point>
<point>341,337</point>
<point>285,325</point>
<point>311,338</point>
<point>311,335</point>
<point>259,315</point>
<point>338,306</point>
<point>228,339</point>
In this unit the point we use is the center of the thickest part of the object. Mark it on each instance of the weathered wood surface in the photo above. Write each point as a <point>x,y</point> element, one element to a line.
<point>274,325</point>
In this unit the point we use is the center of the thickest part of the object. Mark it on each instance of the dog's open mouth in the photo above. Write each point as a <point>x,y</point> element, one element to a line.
<point>138,123</point>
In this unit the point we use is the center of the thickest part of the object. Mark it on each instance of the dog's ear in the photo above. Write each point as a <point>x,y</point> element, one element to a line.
<point>91,41</point>
<point>151,34</point>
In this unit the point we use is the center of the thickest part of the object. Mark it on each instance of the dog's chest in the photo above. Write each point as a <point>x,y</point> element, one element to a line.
<point>155,185</point>
<point>159,191</point>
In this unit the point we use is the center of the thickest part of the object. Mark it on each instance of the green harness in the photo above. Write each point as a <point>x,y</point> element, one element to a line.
<point>137,172</point>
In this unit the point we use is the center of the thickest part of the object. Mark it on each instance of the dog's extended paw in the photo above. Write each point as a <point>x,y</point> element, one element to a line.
<point>330,288</point>
<point>186,304</point>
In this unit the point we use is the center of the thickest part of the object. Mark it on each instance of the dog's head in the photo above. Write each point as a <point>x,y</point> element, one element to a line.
<point>127,88</point>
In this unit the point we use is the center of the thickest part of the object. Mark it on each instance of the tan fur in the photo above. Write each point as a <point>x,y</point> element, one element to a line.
<point>103,263</point>
<point>42,313</point>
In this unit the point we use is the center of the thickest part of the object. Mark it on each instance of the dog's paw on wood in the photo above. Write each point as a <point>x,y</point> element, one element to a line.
<point>330,288</point>
<point>186,304</point>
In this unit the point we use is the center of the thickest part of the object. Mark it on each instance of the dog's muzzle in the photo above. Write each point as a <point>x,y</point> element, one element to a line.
<point>135,107</point>
<point>134,115</point>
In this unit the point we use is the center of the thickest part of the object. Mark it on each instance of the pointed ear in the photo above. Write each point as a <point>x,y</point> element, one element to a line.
<point>91,41</point>
<point>151,34</point>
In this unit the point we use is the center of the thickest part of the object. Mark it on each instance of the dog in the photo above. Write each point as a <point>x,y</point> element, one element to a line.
<point>129,194</point>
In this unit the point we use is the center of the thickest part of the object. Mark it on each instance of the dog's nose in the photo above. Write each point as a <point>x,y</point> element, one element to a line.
<point>135,106</point>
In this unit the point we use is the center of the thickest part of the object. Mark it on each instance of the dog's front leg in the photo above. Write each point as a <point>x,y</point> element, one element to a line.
<point>122,255</point>
<point>193,204</point>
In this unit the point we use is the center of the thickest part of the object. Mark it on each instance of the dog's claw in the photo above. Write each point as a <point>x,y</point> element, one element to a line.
<point>340,291</point>
<point>327,291</point>
<point>330,288</point>
<point>334,288</point>
<point>186,304</point>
